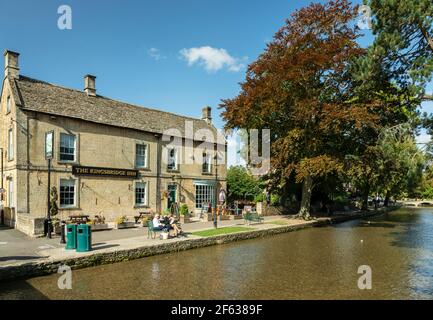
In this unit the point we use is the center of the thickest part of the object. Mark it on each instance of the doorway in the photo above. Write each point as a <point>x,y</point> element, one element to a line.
<point>172,193</point>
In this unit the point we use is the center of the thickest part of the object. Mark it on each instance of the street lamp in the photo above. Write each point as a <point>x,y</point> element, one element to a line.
<point>215,215</point>
<point>49,153</point>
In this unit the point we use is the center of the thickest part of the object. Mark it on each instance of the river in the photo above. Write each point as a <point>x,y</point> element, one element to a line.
<point>315,263</point>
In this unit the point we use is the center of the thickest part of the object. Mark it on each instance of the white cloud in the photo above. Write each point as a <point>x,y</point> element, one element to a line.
<point>212,59</point>
<point>155,54</point>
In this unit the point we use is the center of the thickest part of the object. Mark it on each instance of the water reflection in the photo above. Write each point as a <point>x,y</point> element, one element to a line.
<point>317,263</point>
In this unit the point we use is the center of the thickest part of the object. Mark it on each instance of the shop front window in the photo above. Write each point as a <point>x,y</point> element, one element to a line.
<point>204,195</point>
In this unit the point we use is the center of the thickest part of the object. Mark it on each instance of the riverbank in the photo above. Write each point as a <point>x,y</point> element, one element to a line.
<point>119,250</point>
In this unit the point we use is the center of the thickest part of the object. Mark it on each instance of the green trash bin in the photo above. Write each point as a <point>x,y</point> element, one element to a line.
<point>71,237</point>
<point>84,238</point>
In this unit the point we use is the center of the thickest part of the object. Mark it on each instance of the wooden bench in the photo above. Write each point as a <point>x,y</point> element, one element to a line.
<point>140,215</point>
<point>253,217</point>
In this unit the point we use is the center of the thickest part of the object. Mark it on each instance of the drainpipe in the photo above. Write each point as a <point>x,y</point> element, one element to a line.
<point>158,172</point>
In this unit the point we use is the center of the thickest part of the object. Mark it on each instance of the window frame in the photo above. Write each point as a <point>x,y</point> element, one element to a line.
<point>209,163</point>
<point>146,156</point>
<point>75,192</point>
<point>176,164</point>
<point>203,194</point>
<point>11,144</point>
<point>75,154</point>
<point>145,195</point>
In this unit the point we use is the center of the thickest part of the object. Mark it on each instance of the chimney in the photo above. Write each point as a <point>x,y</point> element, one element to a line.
<point>89,85</point>
<point>12,68</point>
<point>207,114</point>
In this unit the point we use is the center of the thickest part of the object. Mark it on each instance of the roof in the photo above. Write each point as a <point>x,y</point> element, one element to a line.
<point>40,96</point>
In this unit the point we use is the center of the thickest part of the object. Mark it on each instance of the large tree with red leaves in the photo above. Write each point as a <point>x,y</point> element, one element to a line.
<point>301,88</point>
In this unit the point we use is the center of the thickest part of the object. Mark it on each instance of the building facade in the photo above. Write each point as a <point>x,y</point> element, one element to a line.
<point>108,157</point>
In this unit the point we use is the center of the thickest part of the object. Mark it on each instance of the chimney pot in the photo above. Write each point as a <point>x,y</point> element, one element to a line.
<point>207,114</point>
<point>90,85</point>
<point>12,68</point>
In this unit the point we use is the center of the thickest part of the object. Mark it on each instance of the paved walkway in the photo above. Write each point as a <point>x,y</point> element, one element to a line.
<point>17,248</point>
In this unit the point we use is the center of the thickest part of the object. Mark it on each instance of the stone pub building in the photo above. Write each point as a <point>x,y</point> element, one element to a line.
<point>109,158</point>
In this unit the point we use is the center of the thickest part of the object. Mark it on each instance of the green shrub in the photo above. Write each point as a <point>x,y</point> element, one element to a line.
<point>275,200</point>
<point>260,198</point>
<point>184,210</point>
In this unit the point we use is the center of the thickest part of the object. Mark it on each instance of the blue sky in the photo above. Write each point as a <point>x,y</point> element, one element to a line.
<point>175,55</point>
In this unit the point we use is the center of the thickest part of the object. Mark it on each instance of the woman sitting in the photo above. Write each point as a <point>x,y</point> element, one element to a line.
<point>174,225</point>
<point>157,225</point>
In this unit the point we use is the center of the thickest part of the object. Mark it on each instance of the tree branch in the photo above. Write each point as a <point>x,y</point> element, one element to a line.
<point>427,37</point>
<point>427,97</point>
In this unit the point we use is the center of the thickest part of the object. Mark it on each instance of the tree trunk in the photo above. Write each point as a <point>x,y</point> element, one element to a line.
<point>307,189</point>
<point>387,197</point>
<point>365,199</point>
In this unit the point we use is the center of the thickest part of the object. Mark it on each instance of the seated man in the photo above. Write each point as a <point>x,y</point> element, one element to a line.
<point>157,225</point>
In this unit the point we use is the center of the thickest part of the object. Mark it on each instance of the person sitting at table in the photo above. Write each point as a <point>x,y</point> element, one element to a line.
<point>174,225</point>
<point>157,225</point>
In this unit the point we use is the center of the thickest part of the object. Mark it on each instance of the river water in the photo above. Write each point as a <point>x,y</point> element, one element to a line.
<point>316,263</point>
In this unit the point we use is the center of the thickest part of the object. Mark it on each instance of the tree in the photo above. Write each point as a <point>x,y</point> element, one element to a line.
<point>241,184</point>
<point>404,40</point>
<point>301,88</point>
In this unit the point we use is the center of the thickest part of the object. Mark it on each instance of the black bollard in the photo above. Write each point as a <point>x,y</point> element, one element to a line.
<point>62,232</point>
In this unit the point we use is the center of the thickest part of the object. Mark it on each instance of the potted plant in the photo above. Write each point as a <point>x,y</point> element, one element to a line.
<point>184,214</point>
<point>122,222</point>
<point>56,225</point>
<point>144,221</point>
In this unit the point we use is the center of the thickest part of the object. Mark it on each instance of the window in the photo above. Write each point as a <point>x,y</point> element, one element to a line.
<point>8,104</point>
<point>67,147</point>
<point>172,159</point>
<point>10,145</point>
<point>141,193</point>
<point>207,163</point>
<point>204,194</point>
<point>11,193</point>
<point>141,156</point>
<point>67,193</point>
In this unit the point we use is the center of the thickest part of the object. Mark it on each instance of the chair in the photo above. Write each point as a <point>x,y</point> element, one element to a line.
<point>150,232</point>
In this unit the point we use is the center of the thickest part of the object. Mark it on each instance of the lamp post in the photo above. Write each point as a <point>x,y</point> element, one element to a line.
<point>215,215</point>
<point>49,147</point>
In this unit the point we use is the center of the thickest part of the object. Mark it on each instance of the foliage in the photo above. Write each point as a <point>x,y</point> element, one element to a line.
<point>275,200</point>
<point>121,219</point>
<point>428,192</point>
<point>404,40</point>
<point>301,89</point>
<point>54,209</point>
<point>241,184</point>
<point>183,210</point>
